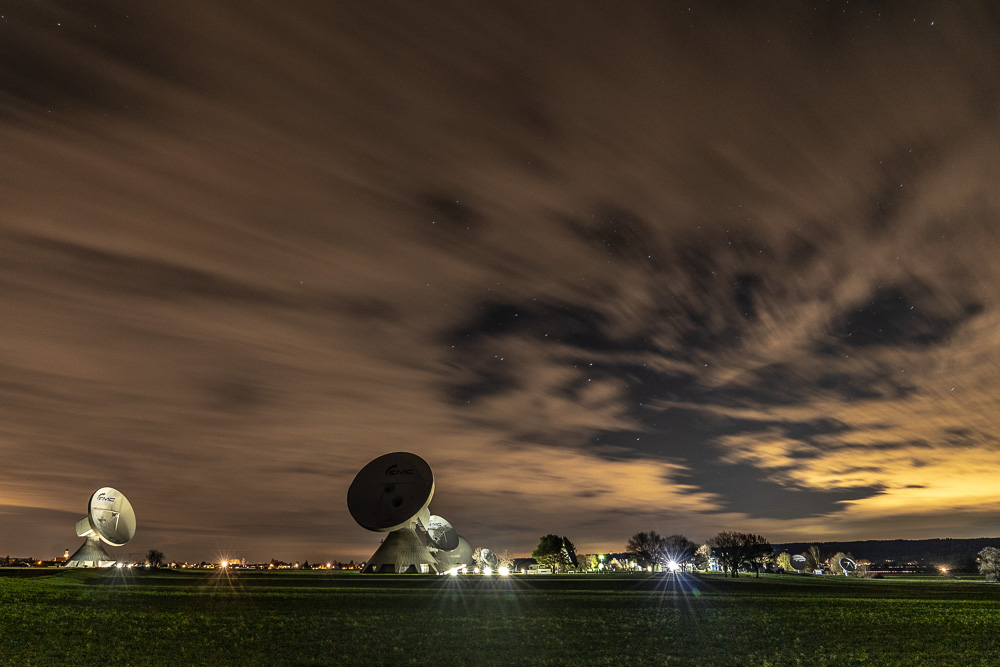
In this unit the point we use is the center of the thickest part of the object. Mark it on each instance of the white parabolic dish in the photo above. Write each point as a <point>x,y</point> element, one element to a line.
<point>390,492</point>
<point>441,534</point>
<point>111,516</point>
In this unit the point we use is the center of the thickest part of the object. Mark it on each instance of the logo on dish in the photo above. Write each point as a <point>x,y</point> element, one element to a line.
<point>107,499</point>
<point>396,470</point>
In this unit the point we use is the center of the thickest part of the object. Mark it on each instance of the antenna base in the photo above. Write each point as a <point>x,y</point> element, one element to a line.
<point>90,554</point>
<point>402,552</point>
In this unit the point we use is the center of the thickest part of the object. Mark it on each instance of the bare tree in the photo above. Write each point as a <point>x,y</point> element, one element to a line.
<point>155,558</point>
<point>506,559</point>
<point>728,548</point>
<point>735,550</point>
<point>645,547</point>
<point>989,563</point>
<point>813,559</point>
<point>677,549</point>
<point>759,552</point>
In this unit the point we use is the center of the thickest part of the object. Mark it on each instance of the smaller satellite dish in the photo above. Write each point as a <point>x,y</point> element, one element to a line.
<point>441,534</point>
<point>489,558</point>
<point>391,492</point>
<point>799,562</point>
<point>848,565</point>
<point>460,555</point>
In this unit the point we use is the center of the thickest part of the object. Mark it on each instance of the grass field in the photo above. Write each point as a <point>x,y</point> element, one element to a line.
<point>79,617</point>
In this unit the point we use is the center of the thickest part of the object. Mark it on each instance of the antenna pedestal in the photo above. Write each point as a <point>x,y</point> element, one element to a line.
<point>90,554</point>
<point>402,552</point>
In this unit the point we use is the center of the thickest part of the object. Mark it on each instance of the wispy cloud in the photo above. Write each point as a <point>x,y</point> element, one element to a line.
<point>665,269</point>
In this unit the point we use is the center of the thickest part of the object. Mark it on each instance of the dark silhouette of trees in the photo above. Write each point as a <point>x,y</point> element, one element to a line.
<point>728,548</point>
<point>759,553</point>
<point>155,558</point>
<point>678,549</point>
<point>645,547</point>
<point>736,550</point>
<point>652,549</point>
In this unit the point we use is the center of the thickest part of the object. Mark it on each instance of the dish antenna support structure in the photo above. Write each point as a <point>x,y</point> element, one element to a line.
<point>110,518</point>
<point>392,494</point>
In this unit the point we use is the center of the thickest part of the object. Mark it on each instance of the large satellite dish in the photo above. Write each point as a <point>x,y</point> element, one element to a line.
<point>799,562</point>
<point>110,518</point>
<point>391,495</point>
<point>391,492</point>
<point>848,565</point>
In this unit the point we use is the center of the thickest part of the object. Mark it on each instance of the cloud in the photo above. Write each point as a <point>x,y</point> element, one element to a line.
<point>702,270</point>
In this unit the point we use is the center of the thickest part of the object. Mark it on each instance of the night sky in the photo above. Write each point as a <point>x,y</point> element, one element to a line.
<point>656,266</point>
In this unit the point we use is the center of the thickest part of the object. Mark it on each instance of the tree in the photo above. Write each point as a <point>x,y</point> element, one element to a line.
<point>735,550</point>
<point>588,562</point>
<point>813,559</point>
<point>989,563</point>
<point>702,557</point>
<point>506,559</point>
<point>155,558</point>
<point>645,547</point>
<point>728,548</point>
<point>784,561</point>
<point>677,549</point>
<point>549,551</point>
<point>759,552</point>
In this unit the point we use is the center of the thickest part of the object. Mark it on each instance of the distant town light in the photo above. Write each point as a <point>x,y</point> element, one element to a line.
<point>673,566</point>
<point>504,571</point>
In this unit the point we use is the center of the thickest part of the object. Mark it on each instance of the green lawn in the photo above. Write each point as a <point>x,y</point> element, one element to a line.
<point>314,618</point>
